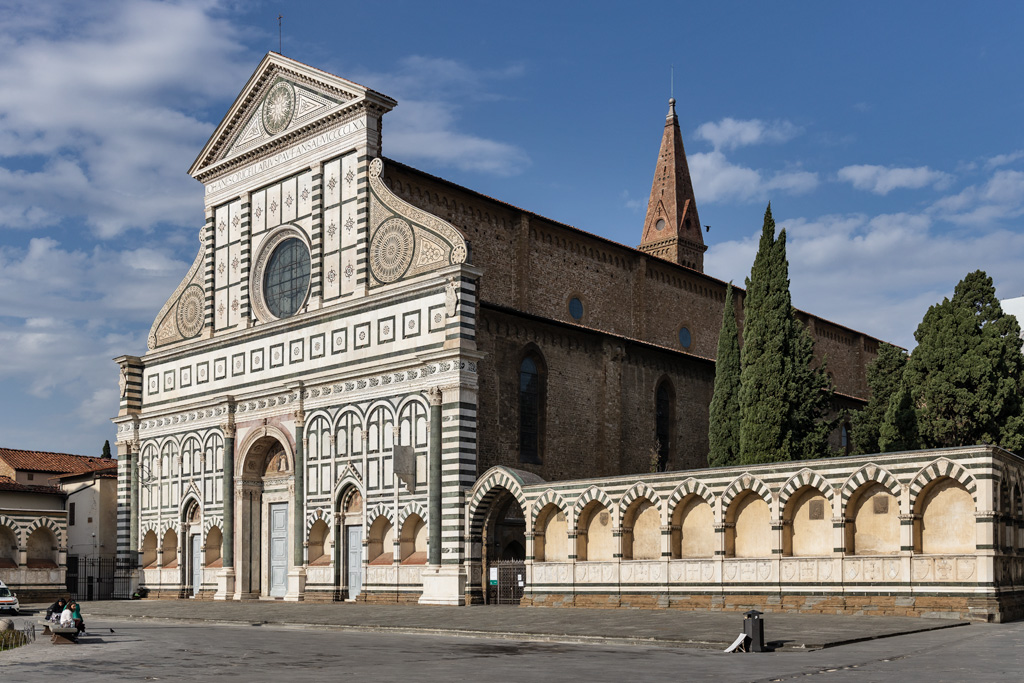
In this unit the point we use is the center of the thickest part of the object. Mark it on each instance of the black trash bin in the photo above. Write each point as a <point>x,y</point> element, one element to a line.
<point>753,627</point>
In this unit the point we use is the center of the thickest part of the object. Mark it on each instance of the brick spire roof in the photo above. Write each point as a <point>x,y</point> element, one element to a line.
<point>672,229</point>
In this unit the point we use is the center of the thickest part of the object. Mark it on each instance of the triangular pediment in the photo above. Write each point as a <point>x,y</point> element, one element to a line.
<point>283,100</point>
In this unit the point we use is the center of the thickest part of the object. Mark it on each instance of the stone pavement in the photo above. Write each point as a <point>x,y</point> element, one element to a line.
<point>671,628</point>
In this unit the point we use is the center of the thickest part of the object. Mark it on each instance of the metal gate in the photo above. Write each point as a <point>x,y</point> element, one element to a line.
<point>99,578</point>
<point>511,581</point>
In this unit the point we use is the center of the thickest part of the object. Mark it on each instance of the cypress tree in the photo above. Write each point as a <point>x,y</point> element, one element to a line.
<point>898,431</point>
<point>724,428</point>
<point>965,376</point>
<point>106,449</point>
<point>763,383</point>
<point>884,376</point>
<point>810,395</point>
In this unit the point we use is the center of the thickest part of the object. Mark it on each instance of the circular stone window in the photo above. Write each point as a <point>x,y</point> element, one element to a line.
<point>280,277</point>
<point>684,337</point>
<point>576,308</point>
<point>660,225</point>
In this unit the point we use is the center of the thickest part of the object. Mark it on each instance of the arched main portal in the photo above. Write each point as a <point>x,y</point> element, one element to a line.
<point>263,508</point>
<point>504,550</point>
<point>191,552</point>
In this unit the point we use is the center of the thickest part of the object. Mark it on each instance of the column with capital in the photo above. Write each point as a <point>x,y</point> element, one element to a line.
<point>297,574</point>
<point>226,576</point>
<point>443,584</point>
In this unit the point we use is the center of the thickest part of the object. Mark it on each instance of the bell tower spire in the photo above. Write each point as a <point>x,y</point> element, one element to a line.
<point>672,229</point>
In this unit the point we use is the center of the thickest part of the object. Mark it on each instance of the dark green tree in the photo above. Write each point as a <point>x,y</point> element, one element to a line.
<point>766,326</point>
<point>810,396</point>
<point>106,449</point>
<point>898,431</point>
<point>724,428</point>
<point>965,376</point>
<point>885,374</point>
<point>784,398</point>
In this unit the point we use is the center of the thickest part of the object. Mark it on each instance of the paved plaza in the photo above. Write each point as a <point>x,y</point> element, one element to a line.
<point>184,640</point>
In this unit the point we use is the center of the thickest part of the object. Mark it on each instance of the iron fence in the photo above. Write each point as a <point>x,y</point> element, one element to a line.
<point>99,578</point>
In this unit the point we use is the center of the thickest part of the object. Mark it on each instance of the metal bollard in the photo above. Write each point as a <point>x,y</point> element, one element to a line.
<point>753,627</point>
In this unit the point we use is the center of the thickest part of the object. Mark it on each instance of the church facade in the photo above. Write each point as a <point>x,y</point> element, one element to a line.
<point>358,342</point>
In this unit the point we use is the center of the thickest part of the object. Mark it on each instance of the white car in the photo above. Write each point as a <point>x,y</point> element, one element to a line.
<point>8,600</point>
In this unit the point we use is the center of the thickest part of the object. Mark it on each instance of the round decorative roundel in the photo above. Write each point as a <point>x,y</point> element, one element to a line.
<point>278,107</point>
<point>391,250</point>
<point>190,311</point>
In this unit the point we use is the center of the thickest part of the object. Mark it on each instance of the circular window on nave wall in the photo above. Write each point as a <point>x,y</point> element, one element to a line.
<point>286,280</point>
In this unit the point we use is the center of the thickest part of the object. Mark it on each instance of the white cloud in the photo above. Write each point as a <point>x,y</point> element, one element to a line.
<point>1000,197</point>
<point>715,178</point>
<point>730,133</point>
<point>883,180</point>
<point>1004,159</point>
<point>93,102</point>
<point>425,125</point>
<point>878,273</point>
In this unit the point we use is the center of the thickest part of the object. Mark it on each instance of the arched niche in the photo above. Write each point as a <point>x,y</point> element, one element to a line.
<point>872,521</point>
<point>693,528</point>
<point>551,537</point>
<point>641,531</point>
<point>748,527</point>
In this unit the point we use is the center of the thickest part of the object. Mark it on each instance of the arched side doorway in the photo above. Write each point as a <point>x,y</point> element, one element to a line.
<point>264,513</point>
<point>348,545</point>
<point>192,548</point>
<point>504,550</point>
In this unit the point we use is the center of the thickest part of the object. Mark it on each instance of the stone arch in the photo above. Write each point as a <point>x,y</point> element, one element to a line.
<point>380,510</point>
<point>591,494</point>
<point>48,523</point>
<point>746,482</point>
<point>208,439</point>
<point>487,489</point>
<point>640,490</point>
<point>413,508</point>
<point>14,527</point>
<point>869,473</point>
<point>936,470</point>
<point>252,447</point>
<point>316,515</point>
<point>805,477</point>
<point>549,497</point>
<point>209,521</point>
<point>348,477</point>
<point>689,486</point>
<point>944,517</point>
<point>191,495</point>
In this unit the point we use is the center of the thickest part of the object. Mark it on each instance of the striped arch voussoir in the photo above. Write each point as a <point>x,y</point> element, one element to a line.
<point>411,509</point>
<point>209,523</point>
<point>636,491</point>
<point>805,477</point>
<point>746,482</point>
<point>49,524</point>
<point>378,510</point>
<point>14,527</point>
<point>870,473</point>
<point>316,515</point>
<point>493,479</point>
<point>591,494</point>
<point>549,497</point>
<point>938,469</point>
<point>688,487</point>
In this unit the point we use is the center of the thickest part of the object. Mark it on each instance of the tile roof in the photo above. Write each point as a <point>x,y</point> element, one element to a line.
<point>61,463</point>
<point>108,472</point>
<point>8,484</point>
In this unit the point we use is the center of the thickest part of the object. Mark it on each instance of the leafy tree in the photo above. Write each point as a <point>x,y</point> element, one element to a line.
<point>724,428</point>
<point>965,376</point>
<point>106,449</point>
<point>898,431</point>
<point>885,374</point>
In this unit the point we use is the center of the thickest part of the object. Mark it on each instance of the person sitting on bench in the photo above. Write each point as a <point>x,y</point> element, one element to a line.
<point>54,610</point>
<point>66,620</point>
<point>76,616</point>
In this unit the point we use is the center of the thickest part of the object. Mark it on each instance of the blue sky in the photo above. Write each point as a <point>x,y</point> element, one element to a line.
<point>886,135</point>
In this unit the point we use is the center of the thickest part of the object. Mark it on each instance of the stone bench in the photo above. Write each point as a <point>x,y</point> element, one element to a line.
<point>61,635</point>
